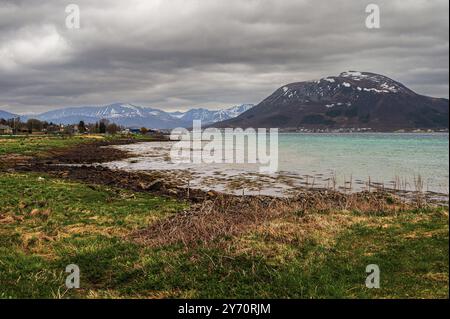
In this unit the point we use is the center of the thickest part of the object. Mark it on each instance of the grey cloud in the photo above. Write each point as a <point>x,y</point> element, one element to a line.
<point>175,54</point>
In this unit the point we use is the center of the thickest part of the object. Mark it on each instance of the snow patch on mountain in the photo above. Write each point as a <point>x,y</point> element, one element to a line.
<point>212,116</point>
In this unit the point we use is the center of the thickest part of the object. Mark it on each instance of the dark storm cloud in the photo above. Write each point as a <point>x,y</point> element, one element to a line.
<point>175,54</point>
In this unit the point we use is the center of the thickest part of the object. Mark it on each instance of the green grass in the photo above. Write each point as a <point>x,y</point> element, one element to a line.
<point>31,145</point>
<point>35,145</point>
<point>324,257</point>
<point>87,221</point>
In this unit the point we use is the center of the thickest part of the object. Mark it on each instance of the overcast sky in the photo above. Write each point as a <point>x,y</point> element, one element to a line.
<point>178,54</point>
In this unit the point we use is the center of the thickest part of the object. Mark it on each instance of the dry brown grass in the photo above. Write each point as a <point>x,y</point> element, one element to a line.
<point>220,216</point>
<point>226,215</point>
<point>278,240</point>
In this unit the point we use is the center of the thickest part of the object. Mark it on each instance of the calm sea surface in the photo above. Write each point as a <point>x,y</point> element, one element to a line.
<point>340,161</point>
<point>381,156</point>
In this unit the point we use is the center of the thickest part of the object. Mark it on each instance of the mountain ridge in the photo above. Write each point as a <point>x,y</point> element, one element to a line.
<point>7,115</point>
<point>212,116</point>
<point>360,100</point>
<point>131,115</point>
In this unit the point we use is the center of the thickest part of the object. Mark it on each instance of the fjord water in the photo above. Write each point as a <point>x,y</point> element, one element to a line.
<point>382,157</point>
<point>344,161</point>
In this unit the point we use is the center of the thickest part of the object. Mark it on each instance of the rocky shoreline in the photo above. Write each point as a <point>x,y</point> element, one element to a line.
<point>84,163</point>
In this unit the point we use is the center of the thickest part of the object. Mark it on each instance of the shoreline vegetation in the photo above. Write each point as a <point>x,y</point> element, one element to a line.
<point>137,235</point>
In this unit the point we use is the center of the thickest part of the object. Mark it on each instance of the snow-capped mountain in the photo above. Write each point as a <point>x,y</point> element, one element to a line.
<point>130,115</point>
<point>237,110</point>
<point>212,116</point>
<point>7,115</point>
<point>120,113</point>
<point>350,100</point>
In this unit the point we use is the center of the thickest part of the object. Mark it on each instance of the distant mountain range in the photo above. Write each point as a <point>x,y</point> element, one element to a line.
<point>7,115</point>
<point>130,115</point>
<point>208,116</point>
<point>349,100</point>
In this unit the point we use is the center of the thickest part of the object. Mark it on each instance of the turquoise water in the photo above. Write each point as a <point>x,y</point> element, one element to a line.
<point>382,157</point>
<point>345,162</point>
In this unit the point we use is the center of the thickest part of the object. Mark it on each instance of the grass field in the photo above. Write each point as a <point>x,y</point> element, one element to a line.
<point>34,145</point>
<point>48,223</point>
